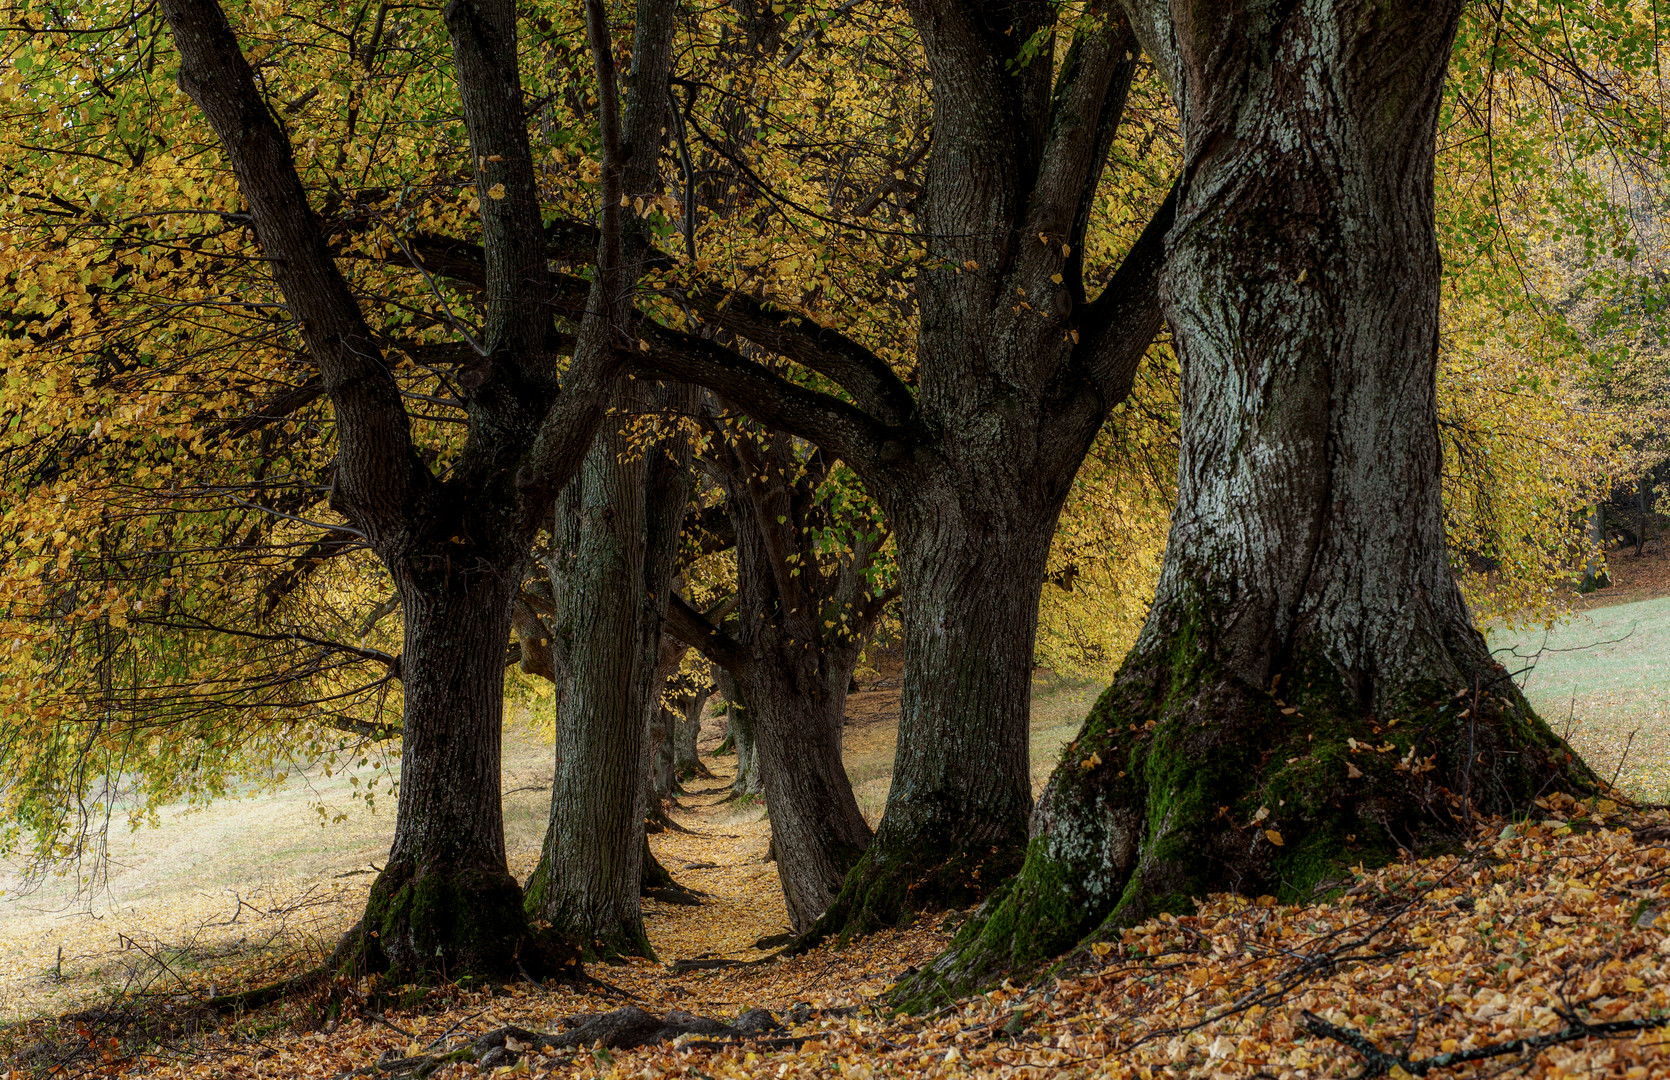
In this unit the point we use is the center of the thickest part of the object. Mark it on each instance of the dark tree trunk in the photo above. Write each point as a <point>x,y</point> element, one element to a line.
<point>1308,692</point>
<point>591,866</point>
<point>1017,367</point>
<point>687,759</point>
<point>1594,568</point>
<point>817,831</point>
<point>802,618</point>
<point>740,723</point>
<point>632,506</point>
<point>1643,507</point>
<point>452,543</point>
<point>955,822</point>
<point>445,901</point>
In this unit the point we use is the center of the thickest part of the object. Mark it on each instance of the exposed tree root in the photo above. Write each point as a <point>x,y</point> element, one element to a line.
<point>621,1029</point>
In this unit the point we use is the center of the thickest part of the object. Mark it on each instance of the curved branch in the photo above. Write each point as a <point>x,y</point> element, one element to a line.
<point>379,474</point>
<point>839,428</point>
<point>694,629</point>
<point>857,370</point>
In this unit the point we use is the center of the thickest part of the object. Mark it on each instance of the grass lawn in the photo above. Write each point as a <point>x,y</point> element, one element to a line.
<point>1600,680</point>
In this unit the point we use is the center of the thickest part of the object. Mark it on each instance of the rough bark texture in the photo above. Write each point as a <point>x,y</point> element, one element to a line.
<point>445,903</point>
<point>1017,374</point>
<point>1308,692</point>
<point>591,866</point>
<point>687,730</point>
<point>445,900</point>
<point>740,722</point>
<point>586,883</point>
<point>802,617</point>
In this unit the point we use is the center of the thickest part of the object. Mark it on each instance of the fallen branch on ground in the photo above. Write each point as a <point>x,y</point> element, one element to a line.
<point>1378,1062</point>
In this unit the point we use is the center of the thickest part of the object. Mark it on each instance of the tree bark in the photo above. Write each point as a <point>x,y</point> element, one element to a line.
<point>591,866</point>
<point>1595,576</point>
<point>802,618</point>
<point>740,722</point>
<point>687,759</point>
<point>1308,692</point>
<point>956,816</point>
<point>586,884</point>
<point>445,901</point>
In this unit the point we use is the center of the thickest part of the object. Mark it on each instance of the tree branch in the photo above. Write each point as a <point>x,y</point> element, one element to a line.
<point>483,36</point>
<point>378,472</point>
<point>1120,325</point>
<point>841,429</point>
<point>1378,1062</point>
<point>695,630</point>
<point>857,370</point>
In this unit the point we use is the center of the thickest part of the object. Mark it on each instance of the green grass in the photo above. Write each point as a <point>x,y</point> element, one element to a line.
<point>1600,680</point>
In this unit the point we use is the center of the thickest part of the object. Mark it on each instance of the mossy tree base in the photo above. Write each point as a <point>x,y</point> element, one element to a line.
<point>613,930</point>
<point>902,875</point>
<point>423,925</point>
<point>1183,783</point>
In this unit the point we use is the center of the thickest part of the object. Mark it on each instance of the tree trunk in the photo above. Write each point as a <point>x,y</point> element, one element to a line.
<point>817,830</point>
<point>1643,507</point>
<point>956,818</point>
<point>687,759</point>
<point>586,883</point>
<point>444,902</point>
<point>746,784</point>
<point>1594,568</point>
<point>1308,692</point>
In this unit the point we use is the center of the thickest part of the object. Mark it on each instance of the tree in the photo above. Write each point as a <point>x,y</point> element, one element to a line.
<point>612,597</point>
<point>445,901</point>
<point>1308,691</point>
<point>809,591</point>
<point>1015,370</point>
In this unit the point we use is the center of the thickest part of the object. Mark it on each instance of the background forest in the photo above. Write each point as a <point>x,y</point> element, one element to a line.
<point>694,384</point>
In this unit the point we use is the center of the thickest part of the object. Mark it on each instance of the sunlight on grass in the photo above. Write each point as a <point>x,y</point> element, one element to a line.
<point>1599,680</point>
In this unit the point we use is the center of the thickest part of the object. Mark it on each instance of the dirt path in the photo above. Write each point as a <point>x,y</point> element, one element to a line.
<point>219,895</point>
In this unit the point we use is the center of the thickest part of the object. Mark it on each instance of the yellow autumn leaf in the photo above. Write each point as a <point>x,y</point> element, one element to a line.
<point>1274,837</point>
<point>496,191</point>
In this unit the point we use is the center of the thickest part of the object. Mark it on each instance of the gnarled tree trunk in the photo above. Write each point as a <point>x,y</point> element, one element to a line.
<point>1308,692</point>
<point>687,731</point>
<point>955,821</point>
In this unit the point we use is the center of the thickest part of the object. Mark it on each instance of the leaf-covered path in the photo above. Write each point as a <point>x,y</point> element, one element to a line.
<point>1544,949</point>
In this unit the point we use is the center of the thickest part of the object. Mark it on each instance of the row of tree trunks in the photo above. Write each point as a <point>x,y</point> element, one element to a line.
<point>586,883</point>
<point>739,724</point>
<point>1308,692</point>
<point>801,623</point>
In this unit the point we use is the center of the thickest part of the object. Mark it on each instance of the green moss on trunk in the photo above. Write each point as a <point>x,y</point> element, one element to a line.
<point>567,939</point>
<point>897,879</point>
<point>1185,781</point>
<point>425,926</point>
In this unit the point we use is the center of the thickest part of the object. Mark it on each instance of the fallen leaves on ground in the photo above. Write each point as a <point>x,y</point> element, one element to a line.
<point>1544,925</point>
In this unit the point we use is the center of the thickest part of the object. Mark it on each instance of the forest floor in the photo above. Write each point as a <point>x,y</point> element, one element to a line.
<point>1543,948</point>
<point>284,869</point>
